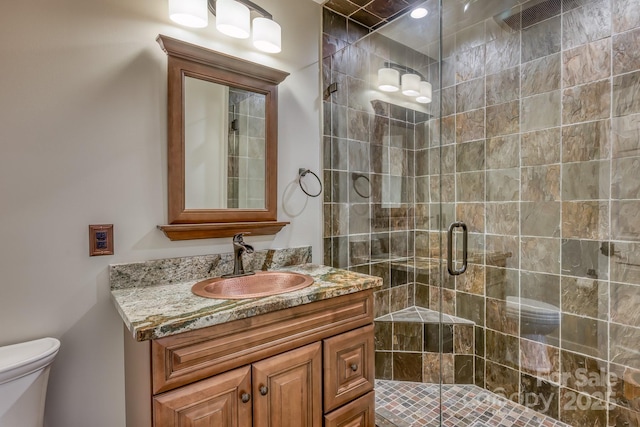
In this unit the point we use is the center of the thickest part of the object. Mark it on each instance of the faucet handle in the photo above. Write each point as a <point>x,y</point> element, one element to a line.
<point>237,238</point>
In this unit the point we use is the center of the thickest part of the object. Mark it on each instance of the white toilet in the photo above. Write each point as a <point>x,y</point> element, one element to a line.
<point>24,373</point>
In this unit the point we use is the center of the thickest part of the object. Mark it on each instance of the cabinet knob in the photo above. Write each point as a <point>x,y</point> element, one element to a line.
<point>245,397</point>
<point>354,367</point>
<point>263,390</point>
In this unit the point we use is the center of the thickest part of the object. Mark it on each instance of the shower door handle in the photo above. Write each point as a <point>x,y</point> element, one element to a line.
<point>453,271</point>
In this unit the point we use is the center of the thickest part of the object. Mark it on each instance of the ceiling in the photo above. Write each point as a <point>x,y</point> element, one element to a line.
<point>371,13</point>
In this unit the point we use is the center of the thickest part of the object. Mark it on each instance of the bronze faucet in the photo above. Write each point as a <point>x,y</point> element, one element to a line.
<point>239,247</point>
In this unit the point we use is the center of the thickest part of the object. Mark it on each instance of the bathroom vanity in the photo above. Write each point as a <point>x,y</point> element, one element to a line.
<point>303,358</point>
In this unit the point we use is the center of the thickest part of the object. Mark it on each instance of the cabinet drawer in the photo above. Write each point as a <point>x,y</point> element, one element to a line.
<point>349,366</point>
<point>190,356</point>
<point>359,413</point>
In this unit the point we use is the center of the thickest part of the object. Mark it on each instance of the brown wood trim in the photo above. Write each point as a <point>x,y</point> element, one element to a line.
<point>190,356</point>
<point>223,229</point>
<point>194,53</point>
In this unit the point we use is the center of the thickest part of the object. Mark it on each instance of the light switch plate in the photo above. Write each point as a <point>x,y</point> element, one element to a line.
<point>100,239</point>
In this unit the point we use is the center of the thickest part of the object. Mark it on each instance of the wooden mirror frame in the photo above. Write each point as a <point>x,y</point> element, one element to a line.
<point>188,60</point>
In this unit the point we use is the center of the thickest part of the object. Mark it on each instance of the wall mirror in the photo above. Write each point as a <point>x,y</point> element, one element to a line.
<point>222,144</point>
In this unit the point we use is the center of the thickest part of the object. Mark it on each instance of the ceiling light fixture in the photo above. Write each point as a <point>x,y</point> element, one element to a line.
<point>419,12</point>
<point>392,77</point>
<point>233,18</point>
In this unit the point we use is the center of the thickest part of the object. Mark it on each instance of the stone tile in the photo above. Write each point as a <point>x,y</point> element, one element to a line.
<point>590,412</point>
<point>585,220</point>
<point>539,395</point>
<point>541,39</point>
<point>470,156</point>
<point>470,307</point>
<point>503,86</point>
<point>540,147</point>
<point>472,281</point>
<point>506,245</point>
<point>470,126</point>
<point>502,52</point>
<point>503,185</point>
<point>407,366</point>
<point>448,100</point>
<point>463,369</point>
<point>626,94</point>
<point>432,368</point>
<point>576,367</point>
<point>407,336</point>
<point>539,359</point>
<point>540,111</point>
<point>503,349</point>
<point>384,365</point>
<point>540,183</point>
<point>503,218</point>
<point>625,178</point>
<point>470,64</point>
<point>586,24</point>
<point>540,75</point>
<point>469,95</point>
<point>540,219</point>
<point>624,267</point>
<point>626,57</point>
<point>623,416</point>
<point>503,119</point>
<point>588,102</point>
<point>502,381</point>
<point>586,141</point>
<point>584,335</point>
<point>473,214</point>
<point>626,15</point>
<point>463,340</point>
<point>619,350</point>
<point>503,152</point>
<point>383,338</point>
<point>540,254</point>
<point>585,297</point>
<point>625,220</point>
<point>497,318</point>
<point>625,300</point>
<point>625,389</point>
<point>625,136</point>
<point>432,338</point>
<point>470,187</point>
<point>582,258</point>
<point>587,63</point>
<point>541,287</point>
<point>586,180</point>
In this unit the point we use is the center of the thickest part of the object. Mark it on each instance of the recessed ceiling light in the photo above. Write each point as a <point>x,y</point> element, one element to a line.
<point>419,12</point>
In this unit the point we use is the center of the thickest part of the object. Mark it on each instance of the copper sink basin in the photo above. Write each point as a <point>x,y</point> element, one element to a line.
<point>260,284</point>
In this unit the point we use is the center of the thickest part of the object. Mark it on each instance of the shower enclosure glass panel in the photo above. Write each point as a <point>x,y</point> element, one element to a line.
<point>532,139</point>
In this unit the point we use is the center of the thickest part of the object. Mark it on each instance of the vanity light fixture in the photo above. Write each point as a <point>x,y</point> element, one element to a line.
<point>388,79</point>
<point>190,13</point>
<point>233,18</point>
<point>425,96</point>
<point>410,84</point>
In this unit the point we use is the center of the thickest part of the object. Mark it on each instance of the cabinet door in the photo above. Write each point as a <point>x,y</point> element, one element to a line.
<point>223,400</point>
<point>359,413</point>
<point>349,366</point>
<point>287,389</point>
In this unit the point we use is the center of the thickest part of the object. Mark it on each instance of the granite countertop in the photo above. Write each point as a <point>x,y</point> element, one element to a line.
<point>165,308</point>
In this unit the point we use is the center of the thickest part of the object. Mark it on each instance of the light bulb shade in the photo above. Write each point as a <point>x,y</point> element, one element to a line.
<point>425,93</point>
<point>267,35</point>
<point>419,12</point>
<point>410,84</point>
<point>388,79</point>
<point>190,13</point>
<point>233,19</point>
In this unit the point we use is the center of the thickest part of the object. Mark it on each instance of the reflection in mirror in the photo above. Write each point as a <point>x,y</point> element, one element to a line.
<point>224,146</point>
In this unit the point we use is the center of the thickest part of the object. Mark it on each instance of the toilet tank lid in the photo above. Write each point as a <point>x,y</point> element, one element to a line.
<point>25,353</point>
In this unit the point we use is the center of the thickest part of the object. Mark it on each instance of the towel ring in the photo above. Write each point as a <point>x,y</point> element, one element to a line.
<point>301,173</point>
<point>355,177</point>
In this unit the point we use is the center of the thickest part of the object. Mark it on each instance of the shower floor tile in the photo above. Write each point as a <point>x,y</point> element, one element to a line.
<point>409,404</point>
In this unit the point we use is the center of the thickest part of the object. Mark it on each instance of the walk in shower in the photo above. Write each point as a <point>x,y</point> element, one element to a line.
<point>525,166</point>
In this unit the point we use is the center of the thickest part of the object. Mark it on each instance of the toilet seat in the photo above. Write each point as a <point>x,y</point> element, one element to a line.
<point>18,360</point>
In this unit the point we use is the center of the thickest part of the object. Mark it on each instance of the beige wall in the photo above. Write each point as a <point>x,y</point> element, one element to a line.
<point>82,131</point>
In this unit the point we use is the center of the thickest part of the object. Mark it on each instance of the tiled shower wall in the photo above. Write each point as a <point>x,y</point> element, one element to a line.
<point>540,153</point>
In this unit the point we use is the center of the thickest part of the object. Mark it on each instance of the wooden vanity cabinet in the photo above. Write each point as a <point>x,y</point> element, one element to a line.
<point>307,366</point>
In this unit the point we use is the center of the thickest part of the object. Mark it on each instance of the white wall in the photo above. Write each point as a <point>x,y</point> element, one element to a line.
<point>83,138</point>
